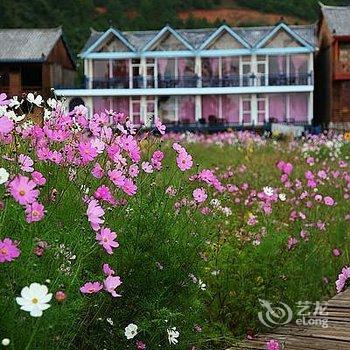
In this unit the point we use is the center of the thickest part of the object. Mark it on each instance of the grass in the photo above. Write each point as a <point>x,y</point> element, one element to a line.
<point>164,251</point>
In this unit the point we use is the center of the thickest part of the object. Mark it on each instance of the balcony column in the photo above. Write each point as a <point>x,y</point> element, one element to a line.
<point>254,109</point>
<point>198,107</point>
<point>310,109</point>
<point>88,72</point>
<point>198,70</point>
<point>143,70</point>
<point>311,68</point>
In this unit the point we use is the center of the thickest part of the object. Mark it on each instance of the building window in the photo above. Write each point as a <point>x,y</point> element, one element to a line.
<point>135,111</point>
<point>344,52</point>
<point>246,110</point>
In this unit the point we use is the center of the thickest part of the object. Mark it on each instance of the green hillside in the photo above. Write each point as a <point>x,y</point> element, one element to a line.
<point>79,15</point>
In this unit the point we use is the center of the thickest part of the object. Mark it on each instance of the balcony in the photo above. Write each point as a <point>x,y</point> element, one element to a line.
<point>150,82</point>
<point>342,71</point>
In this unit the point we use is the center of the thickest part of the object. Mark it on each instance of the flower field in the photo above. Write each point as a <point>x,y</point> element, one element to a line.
<point>116,239</point>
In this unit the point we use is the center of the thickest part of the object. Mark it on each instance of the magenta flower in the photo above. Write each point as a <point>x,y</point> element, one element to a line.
<point>6,125</point>
<point>199,195</point>
<point>107,270</point>
<point>129,187</point>
<point>292,242</point>
<point>328,201</point>
<point>272,345</point>
<point>26,163</point>
<point>91,287</point>
<point>23,190</point>
<point>111,283</point>
<point>133,170</point>
<point>184,161</point>
<point>106,238</point>
<point>38,178</point>
<point>95,214</point>
<point>3,100</point>
<point>34,212</point>
<point>97,171</point>
<point>161,128</point>
<point>117,177</point>
<point>140,345</point>
<point>343,279</point>
<point>87,151</point>
<point>8,250</point>
<point>104,193</point>
<point>336,252</point>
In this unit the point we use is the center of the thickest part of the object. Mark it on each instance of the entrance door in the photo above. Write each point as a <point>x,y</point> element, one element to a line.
<point>137,79</point>
<point>261,67</point>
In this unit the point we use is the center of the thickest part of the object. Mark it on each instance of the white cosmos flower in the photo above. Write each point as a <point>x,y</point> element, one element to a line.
<point>5,342</point>
<point>4,176</point>
<point>14,102</point>
<point>282,197</point>
<point>173,334</point>
<point>268,191</point>
<point>3,110</point>
<point>34,299</point>
<point>16,118</point>
<point>51,102</point>
<point>130,331</point>
<point>35,100</point>
<point>202,285</point>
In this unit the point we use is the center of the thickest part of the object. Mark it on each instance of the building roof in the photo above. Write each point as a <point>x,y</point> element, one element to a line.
<point>28,45</point>
<point>196,37</point>
<point>338,19</point>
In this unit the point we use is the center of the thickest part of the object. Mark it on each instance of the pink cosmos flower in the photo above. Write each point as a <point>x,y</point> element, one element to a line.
<point>3,100</point>
<point>129,187</point>
<point>34,212</point>
<point>107,270</point>
<point>26,163</point>
<point>272,345</point>
<point>106,238</point>
<point>91,287</point>
<point>38,178</point>
<point>184,161</point>
<point>87,151</point>
<point>23,190</point>
<point>104,193</point>
<point>8,250</point>
<point>6,125</point>
<point>140,345</point>
<point>199,195</point>
<point>95,214</point>
<point>161,128</point>
<point>292,242</point>
<point>117,177</point>
<point>147,167</point>
<point>97,171</point>
<point>133,170</point>
<point>111,283</point>
<point>328,201</point>
<point>343,279</point>
<point>336,252</point>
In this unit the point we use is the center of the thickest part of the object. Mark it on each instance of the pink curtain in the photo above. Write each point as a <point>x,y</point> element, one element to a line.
<point>181,64</point>
<point>261,111</point>
<point>100,104</point>
<point>281,64</point>
<point>210,106</point>
<point>187,109</point>
<point>214,65</point>
<point>277,107</point>
<point>162,63</point>
<point>299,63</point>
<point>299,107</point>
<point>121,104</point>
<point>230,108</point>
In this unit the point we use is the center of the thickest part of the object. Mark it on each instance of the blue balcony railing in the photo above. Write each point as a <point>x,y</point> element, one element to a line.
<point>167,82</point>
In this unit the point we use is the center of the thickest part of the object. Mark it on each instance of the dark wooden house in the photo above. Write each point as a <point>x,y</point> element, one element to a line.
<point>34,60</point>
<point>332,68</point>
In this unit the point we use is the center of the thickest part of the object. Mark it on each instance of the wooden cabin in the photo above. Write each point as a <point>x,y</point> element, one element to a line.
<point>332,68</point>
<point>34,60</point>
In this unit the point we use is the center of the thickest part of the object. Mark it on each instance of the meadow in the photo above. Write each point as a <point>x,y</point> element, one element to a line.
<point>115,239</point>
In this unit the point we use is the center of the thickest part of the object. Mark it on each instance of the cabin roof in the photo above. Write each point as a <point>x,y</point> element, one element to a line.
<point>337,18</point>
<point>196,37</point>
<point>28,45</point>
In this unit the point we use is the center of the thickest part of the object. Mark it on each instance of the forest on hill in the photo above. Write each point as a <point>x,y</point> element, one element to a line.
<point>78,16</point>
